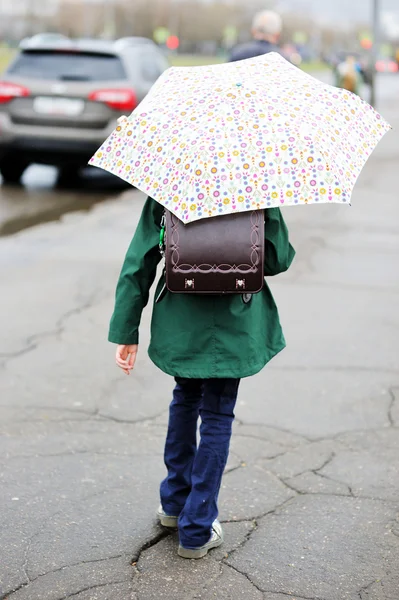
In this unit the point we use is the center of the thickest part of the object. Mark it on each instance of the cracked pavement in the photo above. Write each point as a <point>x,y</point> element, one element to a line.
<point>309,500</point>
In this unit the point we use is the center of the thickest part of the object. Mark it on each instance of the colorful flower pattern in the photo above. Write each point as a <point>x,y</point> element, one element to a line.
<point>254,134</point>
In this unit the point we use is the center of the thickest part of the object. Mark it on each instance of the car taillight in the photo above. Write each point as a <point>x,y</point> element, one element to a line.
<point>122,100</point>
<point>9,91</point>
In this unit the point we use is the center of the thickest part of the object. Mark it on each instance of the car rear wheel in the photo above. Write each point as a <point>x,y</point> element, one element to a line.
<point>12,169</point>
<point>69,176</point>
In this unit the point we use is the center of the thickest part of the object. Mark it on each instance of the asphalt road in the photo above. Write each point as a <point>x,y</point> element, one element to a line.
<point>309,501</point>
<point>43,197</point>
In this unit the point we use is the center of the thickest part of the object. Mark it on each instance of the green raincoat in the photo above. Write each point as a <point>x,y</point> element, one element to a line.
<point>200,336</point>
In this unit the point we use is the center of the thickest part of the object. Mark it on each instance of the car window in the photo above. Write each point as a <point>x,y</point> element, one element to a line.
<point>68,66</point>
<point>152,65</point>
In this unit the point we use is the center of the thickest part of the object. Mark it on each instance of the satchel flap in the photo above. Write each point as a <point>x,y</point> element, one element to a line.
<point>217,252</point>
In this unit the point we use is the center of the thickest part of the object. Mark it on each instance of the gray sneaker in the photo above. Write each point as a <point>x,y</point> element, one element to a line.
<point>166,520</point>
<point>215,540</point>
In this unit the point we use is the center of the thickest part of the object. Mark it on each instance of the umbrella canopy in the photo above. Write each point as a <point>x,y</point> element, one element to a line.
<point>253,134</point>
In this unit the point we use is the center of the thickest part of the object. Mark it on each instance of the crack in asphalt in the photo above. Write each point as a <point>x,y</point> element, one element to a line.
<point>328,460</point>
<point>94,587</point>
<point>294,596</point>
<point>158,537</point>
<point>33,341</point>
<point>365,588</point>
<point>254,521</point>
<point>334,437</point>
<point>335,494</point>
<point>288,446</point>
<point>240,520</point>
<point>24,568</point>
<point>289,485</point>
<point>350,493</point>
<point>52,408</point>
<point>101,417</point>
<point>289,482</point>
<point>242,423</point>
<point>8,594</point>
<point>246,538</point>
<point>59,569</point>
<point>242,465</point>
<point>319,474</point>
<point>37,533</point>
<point>67,420</point>
<point>165,533</point>
<point>260,516</point>
<point>279,593</point>
<point>393,393</point>
<point>69,566</point>
<point>93,416</point>
<point>26,559</point>
<point>244,575</point>
<point>130,421</point>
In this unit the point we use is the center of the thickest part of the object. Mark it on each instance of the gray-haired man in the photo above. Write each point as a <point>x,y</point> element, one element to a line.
<point>266,31</point>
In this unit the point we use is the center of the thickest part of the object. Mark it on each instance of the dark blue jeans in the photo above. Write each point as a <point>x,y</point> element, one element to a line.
<point>192,485</point>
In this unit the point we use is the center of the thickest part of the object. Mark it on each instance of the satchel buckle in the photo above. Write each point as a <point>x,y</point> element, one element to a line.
<point>189,284</point>
<point>240,284</point>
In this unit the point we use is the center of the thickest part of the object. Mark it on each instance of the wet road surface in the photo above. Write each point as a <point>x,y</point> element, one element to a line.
<point>44,196</point>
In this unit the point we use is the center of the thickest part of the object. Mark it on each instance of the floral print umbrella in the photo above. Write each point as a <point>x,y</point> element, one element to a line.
<point>254,134</point>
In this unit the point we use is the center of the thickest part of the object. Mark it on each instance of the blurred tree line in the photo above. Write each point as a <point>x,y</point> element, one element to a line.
<point>193,21</point>
<point>200,26</point>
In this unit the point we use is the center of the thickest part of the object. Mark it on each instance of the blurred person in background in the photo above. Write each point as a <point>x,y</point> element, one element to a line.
<point>266,30</point>
<point>348,75</point>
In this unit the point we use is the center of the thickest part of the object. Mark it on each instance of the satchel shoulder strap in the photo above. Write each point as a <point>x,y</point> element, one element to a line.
<point>162,234</point>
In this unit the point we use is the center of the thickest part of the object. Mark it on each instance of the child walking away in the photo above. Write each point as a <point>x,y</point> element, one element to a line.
<point>207,342</point>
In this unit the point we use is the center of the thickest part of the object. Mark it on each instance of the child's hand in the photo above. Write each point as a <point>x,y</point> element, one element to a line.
<point>126,357</point>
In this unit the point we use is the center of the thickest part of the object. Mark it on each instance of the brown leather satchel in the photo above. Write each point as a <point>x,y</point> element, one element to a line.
<point>219,255</point>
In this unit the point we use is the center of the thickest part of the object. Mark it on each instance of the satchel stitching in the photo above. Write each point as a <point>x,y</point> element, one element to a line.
<point>222,268</point>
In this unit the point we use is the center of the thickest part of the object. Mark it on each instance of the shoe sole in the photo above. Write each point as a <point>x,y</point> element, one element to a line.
<point>199,552</point>
<point>169,522</point>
